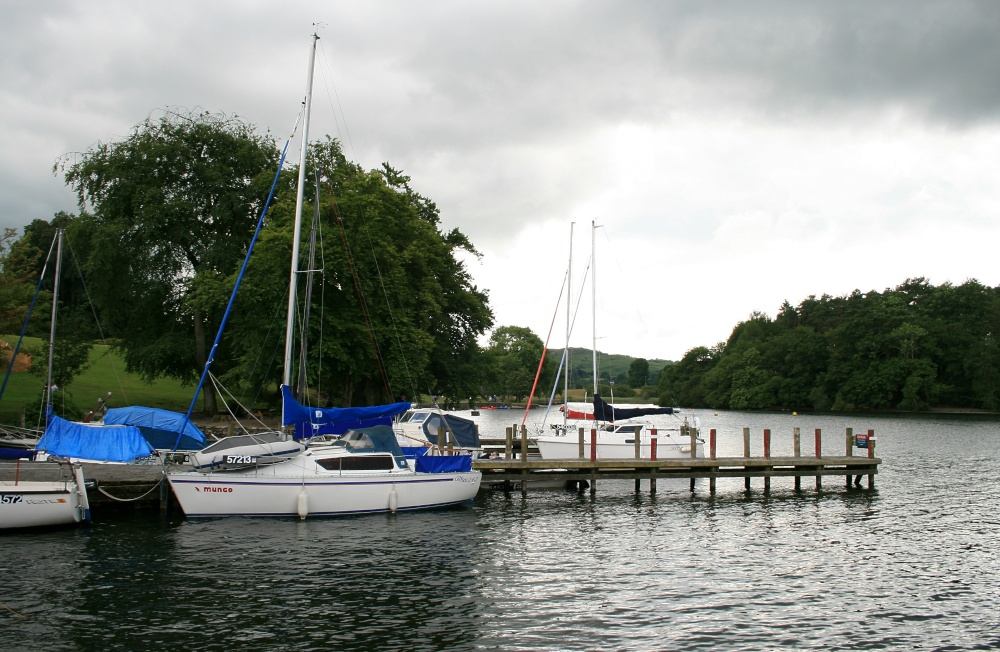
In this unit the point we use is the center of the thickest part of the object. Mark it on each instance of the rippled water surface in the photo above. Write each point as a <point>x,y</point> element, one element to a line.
<point>910,566</point>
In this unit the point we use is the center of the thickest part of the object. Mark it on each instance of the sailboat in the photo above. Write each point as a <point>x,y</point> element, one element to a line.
<point>363,471</point>
<point>617,430</point>
<point>45,503</point>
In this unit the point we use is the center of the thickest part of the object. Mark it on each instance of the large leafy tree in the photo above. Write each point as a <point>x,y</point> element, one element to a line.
<point>393,310</point>
<point>638,372</point>
<point>514,352</point>
<point>15,283</point>
<point>166,214</point>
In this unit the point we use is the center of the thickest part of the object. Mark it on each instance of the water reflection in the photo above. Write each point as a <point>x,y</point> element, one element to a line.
<point>908,566</point>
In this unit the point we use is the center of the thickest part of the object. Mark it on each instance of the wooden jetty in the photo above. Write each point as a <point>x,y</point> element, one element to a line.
<point>126,487</point>
<point>518,468</point>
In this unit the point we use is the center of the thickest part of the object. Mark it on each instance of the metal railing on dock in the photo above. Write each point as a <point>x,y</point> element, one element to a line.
<point>520,469</point>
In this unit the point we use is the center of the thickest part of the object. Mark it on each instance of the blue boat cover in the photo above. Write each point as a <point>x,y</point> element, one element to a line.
<point>7,453</point>
<point>444,463</point>
<point>413,451</point>
<point>159,427</point>
<point>605,412</point>
<point>465,431</point>
<point>314,421</point>
<point>87,441</point>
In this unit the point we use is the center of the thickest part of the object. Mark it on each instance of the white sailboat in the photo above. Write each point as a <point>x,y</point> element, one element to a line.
<point>365,471</point>
<point>616,429</point>
<point>44,503</point>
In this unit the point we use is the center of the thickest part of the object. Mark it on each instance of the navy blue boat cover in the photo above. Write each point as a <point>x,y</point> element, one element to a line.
<point>604,412</point>
<point>314,421</point>
<point>466,432</point>
<point>159,427</point>
<point>444,463</point>
<point>88,441</point>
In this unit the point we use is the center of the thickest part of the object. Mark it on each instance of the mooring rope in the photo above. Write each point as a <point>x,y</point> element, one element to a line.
<point>19,615</point>
<point>129,500</point>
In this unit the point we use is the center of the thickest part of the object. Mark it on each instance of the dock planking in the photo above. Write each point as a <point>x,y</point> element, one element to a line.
<point>523,470</point>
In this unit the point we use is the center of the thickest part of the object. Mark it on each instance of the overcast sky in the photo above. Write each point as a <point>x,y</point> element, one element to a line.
<point>735,154</point>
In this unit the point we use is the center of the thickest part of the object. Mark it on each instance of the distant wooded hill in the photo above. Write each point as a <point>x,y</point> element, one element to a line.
<point>611,366</point>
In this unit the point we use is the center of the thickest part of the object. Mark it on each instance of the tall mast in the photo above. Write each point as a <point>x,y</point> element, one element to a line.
<point>569,312</point>
<point>593,290</point>
<point>52,327</point>
<point>290,323</point>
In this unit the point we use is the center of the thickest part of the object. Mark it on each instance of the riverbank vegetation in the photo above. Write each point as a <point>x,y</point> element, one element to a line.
<point>913,347</point>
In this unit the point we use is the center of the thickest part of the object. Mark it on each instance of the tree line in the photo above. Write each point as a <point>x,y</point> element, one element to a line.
<point>913,347</point>
<point>165,217</point>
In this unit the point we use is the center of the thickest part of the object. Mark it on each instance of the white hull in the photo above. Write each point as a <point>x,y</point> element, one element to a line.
<point>271,494</point>
<point>36,504</point>
<point>614,445</point>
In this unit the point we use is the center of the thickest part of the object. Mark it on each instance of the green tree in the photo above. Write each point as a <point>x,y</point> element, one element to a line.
<point>172,207</point>
<point>638,372</point>
<point>16,286</point>
<point>395,311</point>
<point>513,352</point>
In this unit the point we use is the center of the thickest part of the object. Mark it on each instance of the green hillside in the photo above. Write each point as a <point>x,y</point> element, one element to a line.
<point>611,366</point>
<point>106,374</point>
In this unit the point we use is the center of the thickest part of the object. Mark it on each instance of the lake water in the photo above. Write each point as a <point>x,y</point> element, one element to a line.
<point>912,565</point>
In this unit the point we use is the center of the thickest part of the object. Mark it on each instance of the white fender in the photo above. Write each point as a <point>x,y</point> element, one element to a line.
<point>393,500</point>
<point>303,504</point>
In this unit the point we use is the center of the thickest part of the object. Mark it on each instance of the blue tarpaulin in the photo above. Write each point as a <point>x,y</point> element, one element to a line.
<point>314,421</point>
<point>159,427</point>
<point>114,443</point>
<point>444,463</point>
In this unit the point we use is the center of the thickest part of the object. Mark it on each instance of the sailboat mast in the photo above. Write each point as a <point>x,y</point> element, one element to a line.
<point>52,327</point>
<point>569,314</point>
<point>304,347</point>
<point>593,290</point>
<point>297,236</point>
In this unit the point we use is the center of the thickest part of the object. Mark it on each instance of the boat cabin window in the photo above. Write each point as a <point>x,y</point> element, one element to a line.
<point>359,463</point>
<point>629,429</point>
<point>414,417</point>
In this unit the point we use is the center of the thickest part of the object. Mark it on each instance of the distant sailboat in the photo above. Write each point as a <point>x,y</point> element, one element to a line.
<point>617,429</point>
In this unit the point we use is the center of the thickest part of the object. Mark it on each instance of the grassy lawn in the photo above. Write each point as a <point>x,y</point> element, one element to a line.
<point>106,374</point>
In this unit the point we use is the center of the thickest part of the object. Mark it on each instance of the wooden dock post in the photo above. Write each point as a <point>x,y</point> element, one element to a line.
<point>711,449</point>
<point>849,440</point>
<point>694,449</point>
<point>508,454</point>
<point>582,440</point>
<point>819,454</point>
<point>638,455</point>
<point>524,456</point>
<point>653,437</point>
<point>871,455</point>
<point>767,456</point>
<point>797,451</point>
<point>746,453</point>
<point>593,457</point>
